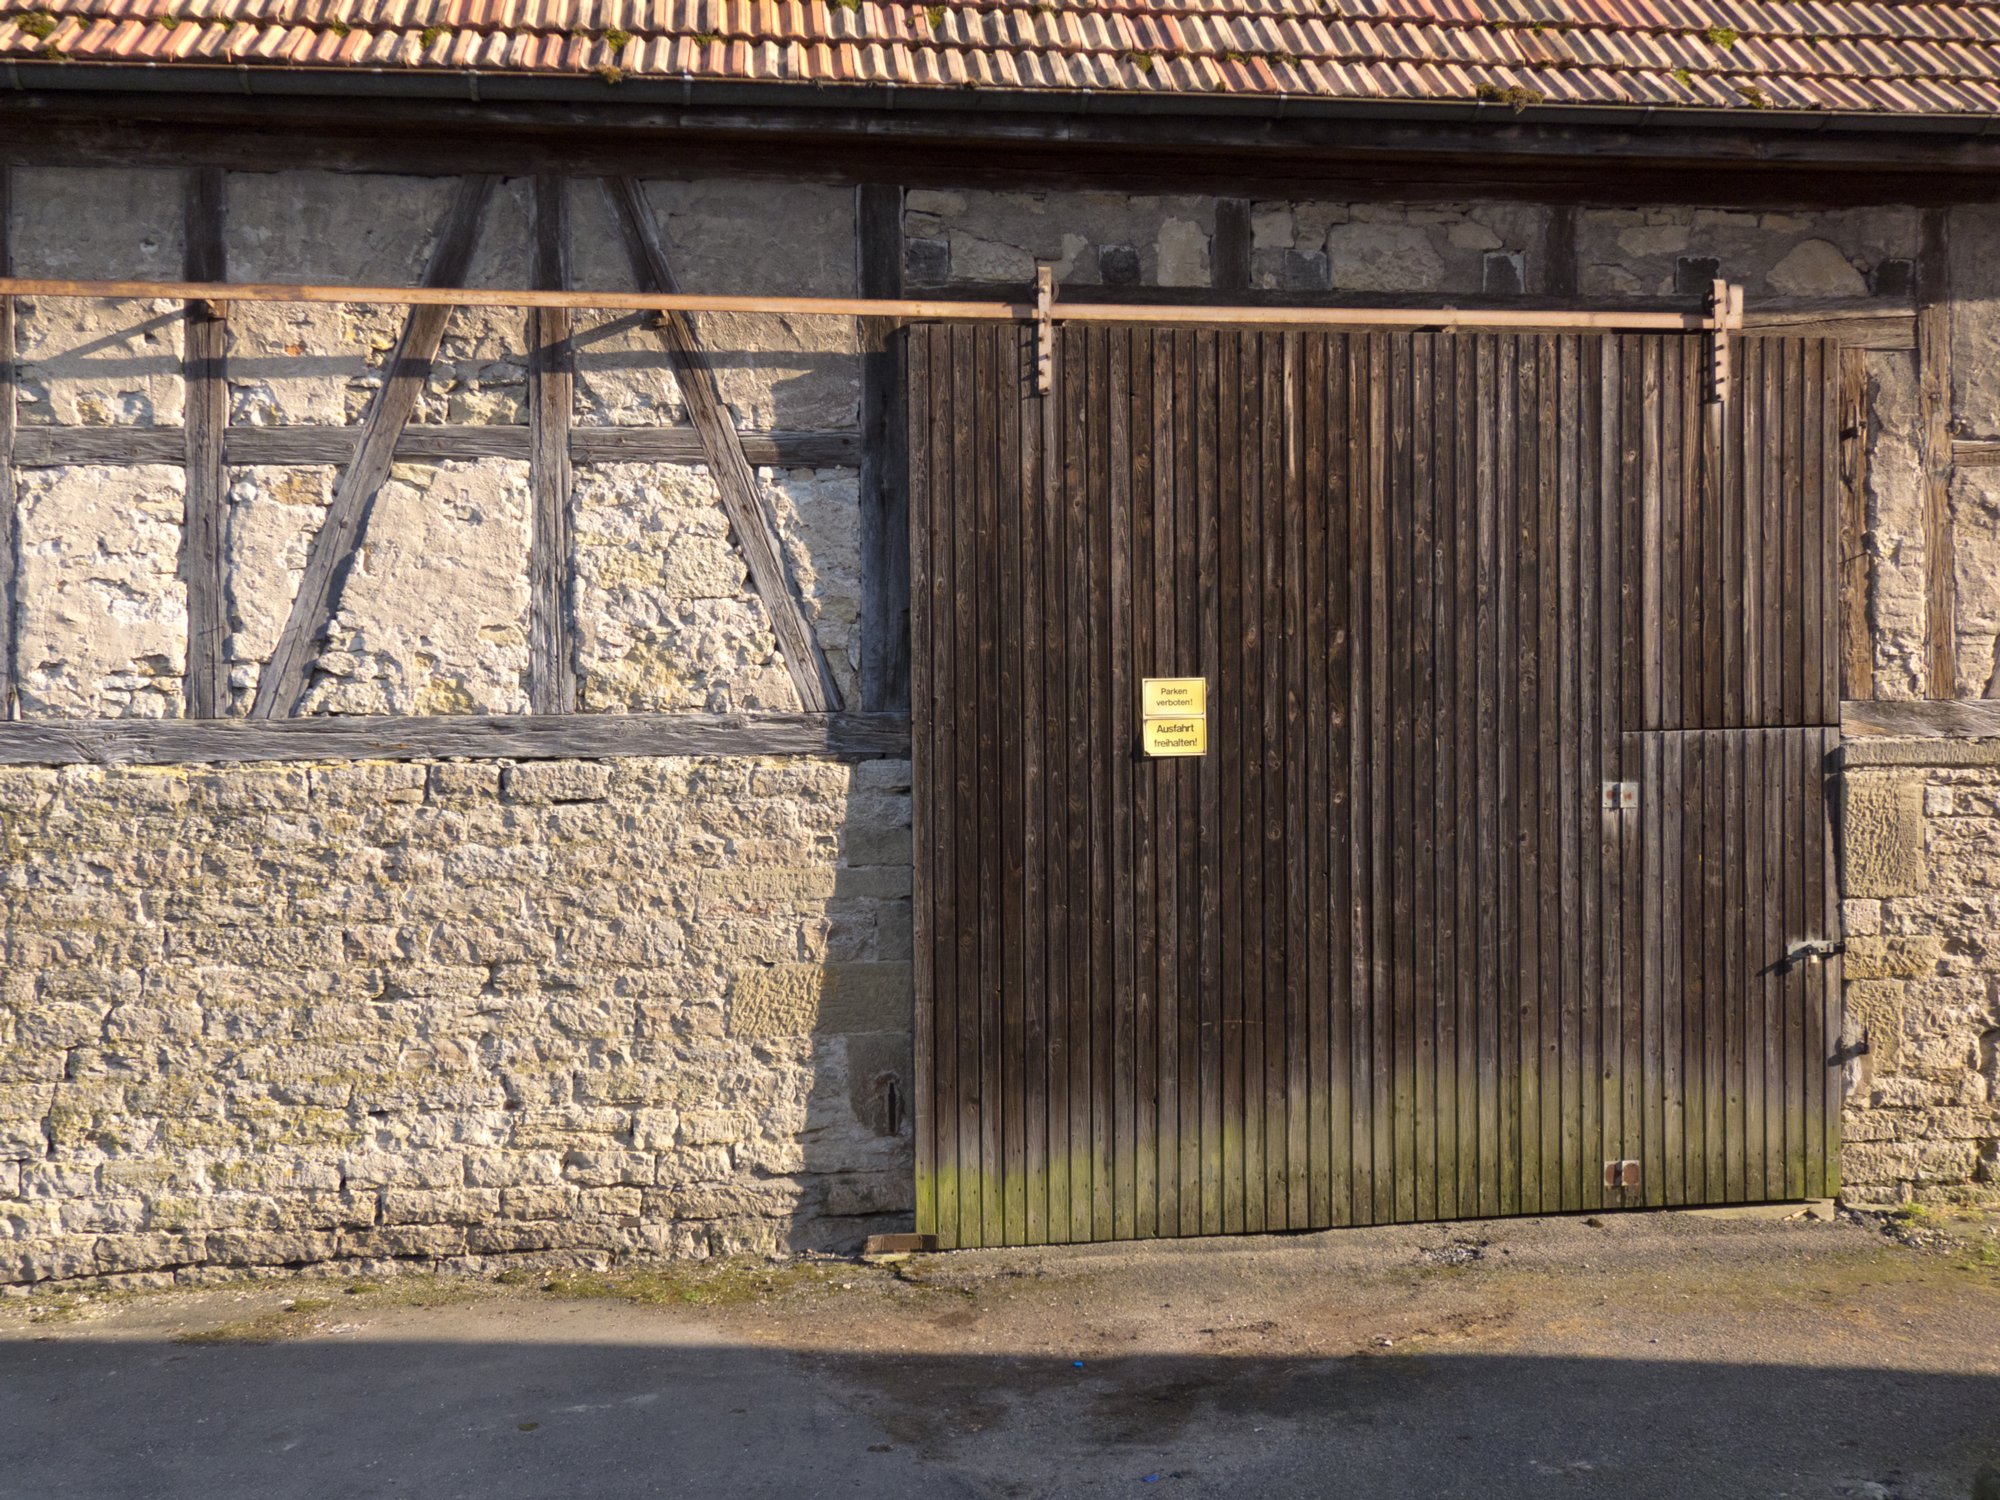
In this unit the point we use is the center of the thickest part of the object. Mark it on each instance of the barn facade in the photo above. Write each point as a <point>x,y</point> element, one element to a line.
<point>584,596</point>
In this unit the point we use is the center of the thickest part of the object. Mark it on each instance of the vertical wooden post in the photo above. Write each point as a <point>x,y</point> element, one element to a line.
<point>1229,265</point>
<point>885,497</point>
<point>1934,453</point>
<point>205,345</point>
<point>551,380</point>
<point>1559,268</point>
<point>1857,569</point>
<point>10,706</point>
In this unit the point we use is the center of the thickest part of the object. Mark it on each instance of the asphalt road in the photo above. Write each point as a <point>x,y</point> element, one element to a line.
<point>1650,1356</point>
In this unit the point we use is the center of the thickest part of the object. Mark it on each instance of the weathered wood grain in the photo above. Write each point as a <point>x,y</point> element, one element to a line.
<point>57,447</point>
<point>204,351</point>
<point>9,515</point>
<point>551,392</point>
<point>62,742</point>
<point>756,534</point>
<point>283,679</point>
<point>885,500</point>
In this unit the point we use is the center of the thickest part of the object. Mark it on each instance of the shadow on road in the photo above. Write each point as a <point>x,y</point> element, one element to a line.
<point>585,1410</point>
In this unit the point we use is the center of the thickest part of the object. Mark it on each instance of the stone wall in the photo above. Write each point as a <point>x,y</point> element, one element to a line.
<point>282,1014</point>
<point>1921,882</point>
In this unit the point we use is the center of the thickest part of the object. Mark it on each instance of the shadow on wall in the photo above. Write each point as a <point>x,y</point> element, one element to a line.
<point>842,1007</point>
<point>612,1401</point>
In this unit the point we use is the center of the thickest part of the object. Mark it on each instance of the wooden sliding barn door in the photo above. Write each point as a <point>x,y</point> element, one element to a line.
<point>1489,893</point>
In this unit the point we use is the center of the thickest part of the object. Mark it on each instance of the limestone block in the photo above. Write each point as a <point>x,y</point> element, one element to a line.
<point>1884,835</point>
<point>1877,1006</point>
<point>794,999</point>
<point>1821,253</point>
<point>1817,268</point>
<point>1895,533</point>
<point>666,617</point>
<point>818,517</point>
<point>555,781</point>
<point>101,609</point>
<point>1975,512</point>
<point>1383,258</point>
<point>1891,957</point>
<point>1972,235</point>
<point>453,531</point>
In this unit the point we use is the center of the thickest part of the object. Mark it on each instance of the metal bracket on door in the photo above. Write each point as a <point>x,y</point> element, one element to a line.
<point>1724,315</point>
<point>1620,795</point>
<point>1045,329</point>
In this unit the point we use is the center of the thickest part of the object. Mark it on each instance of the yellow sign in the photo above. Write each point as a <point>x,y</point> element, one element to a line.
<point>1173,697</point>
<point>1175,736</point>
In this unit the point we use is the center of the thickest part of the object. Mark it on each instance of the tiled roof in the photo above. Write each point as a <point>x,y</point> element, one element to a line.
<point>1850,56</point>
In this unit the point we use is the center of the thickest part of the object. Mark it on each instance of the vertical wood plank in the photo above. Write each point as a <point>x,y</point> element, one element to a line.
<point>1313,670</point>
<point>1214,1028</point>
<point>925,810</point>
<point>10,546</point>
<point>1472,999</point>
<point>1749,931</point>
<point>1231,709</point>
<point>1549,725</point>
<point>1081,970</point>
<point>204,356</point>
<point>1184,605</point>
<point>1934,363</point>
<point>1274,955</point>
<point>1771,950</point>
<point>944,520</point>
<point>1489,370</point>
<point>1400,773</point>
<point>1716,1001</point>
<point>970,916</point>
<point>1446,423</point>
<point>1857,568</point>
<point>884,516</point>
<point>1108,1006</point>
<point>1382,699</point>
<point>1037,555</point>
<point>1421,848</point>
<point>1059,468</point>
<point>1011,357</point>
<point>1746,417</point>
<point>1342,624</point>
<point>1795,525</point>
<point>1295,843</point>
<point>1571,935</point>
<point>551,384</point>
<point>1507,425</point>
<point>1121,694</point>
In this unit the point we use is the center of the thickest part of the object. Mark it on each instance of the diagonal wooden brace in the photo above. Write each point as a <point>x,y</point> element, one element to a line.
<point>737,482</point>
<point>283,680</point>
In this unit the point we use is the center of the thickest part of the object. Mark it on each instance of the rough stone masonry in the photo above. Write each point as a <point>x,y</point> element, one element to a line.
<point>442,1012</point>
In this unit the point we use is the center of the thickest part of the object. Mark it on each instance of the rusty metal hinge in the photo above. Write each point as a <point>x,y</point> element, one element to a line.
<point>1621,1174</point>
<point>1620,795</point>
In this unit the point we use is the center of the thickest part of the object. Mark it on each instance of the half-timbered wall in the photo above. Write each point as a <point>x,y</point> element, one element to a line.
<point>490,976</point>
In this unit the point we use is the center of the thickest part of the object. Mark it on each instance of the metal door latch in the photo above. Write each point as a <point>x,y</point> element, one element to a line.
<point>1619,795</point>
<point>1811,951</point>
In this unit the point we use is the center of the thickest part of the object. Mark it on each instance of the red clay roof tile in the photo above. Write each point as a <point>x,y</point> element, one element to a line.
<point>1925,57</point>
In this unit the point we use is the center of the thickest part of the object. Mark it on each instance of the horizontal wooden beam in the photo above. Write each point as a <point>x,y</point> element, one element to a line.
<point>1976,455</point>
<point>56,447</point>
<point>1294,311</point>
<point>159,742</point>
<point>1935,718</point>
